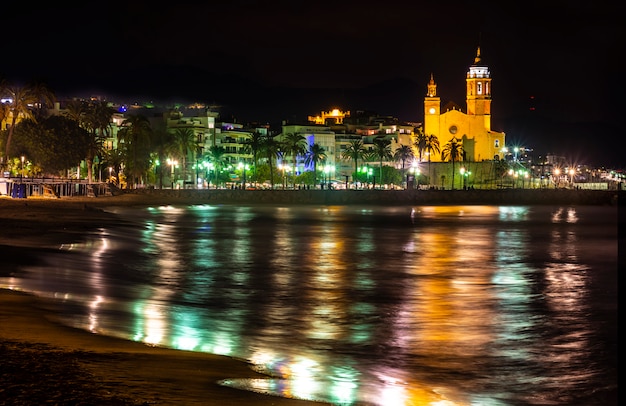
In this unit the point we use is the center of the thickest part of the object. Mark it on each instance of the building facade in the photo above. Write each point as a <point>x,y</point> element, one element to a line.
<point>471,127</point>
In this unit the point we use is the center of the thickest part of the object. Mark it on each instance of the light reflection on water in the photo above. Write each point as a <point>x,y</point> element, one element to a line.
<point>436,305</point>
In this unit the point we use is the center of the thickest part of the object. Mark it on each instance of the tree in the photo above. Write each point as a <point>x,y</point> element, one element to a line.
<point>354,151</point>
<point>135,137</point>
<point>382,150</point>
<point>216,157</point>
<point>431,147</point>
<point>95,117</point>
<point>402,154</point>
<point>453,150</point>
<point>55,144</point>
<point>294,144</point>
<point>367,157</point>
<point>316,155</point>
<point>186,142</point>
<point>163,144</point>
<point>420,143</point>
<point>25,102</point>
<point>271,149</point>
<point>254,145</point>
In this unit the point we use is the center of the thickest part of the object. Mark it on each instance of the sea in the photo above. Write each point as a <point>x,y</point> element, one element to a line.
<point>358,305</point>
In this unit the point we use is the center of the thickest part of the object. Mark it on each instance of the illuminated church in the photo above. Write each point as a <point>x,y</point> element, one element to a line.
<point>473,127</point>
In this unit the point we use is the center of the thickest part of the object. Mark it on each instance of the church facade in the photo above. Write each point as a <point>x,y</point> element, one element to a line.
<point>472,127</point>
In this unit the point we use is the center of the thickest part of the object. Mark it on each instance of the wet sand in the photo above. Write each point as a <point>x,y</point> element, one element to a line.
<point>44,362</point>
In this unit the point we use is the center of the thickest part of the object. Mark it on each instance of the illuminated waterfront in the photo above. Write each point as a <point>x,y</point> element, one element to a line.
<point>410,305</point>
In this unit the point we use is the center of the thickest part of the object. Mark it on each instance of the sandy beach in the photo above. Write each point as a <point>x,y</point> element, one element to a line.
<point>44,362</point>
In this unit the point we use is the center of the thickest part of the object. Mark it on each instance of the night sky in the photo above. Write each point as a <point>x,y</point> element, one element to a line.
<point>556,66</point>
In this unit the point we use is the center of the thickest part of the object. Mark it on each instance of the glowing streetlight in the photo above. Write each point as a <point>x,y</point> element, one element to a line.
<point>327,173</point>
<point>172,163</point>
<point>243,167</point>
<point>462,170</point>
<point>557,173</point>
<point>416,173</point>
<point>282,168</point>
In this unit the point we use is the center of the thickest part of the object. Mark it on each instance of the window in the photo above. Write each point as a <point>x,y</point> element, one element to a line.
<point>479,88</point>
<point>497,144</point>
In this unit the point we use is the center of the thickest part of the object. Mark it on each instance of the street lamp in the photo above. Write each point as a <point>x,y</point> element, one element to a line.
<point>172,163</point>
<point>327,172</point>
<point>22,171</point>
<point>282,168</point>
<point>416,173</point>
<point>464,176</point>
<point>571,176</point>
<point>243,167</point>
<point>557,173</point>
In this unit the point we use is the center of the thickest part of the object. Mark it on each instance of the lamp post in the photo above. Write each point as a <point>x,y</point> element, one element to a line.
<point>172,163</point>
<point>557,173</point>
<point>327,170</point>
<point>22,171</point>
<point>243,167</point>
<point>462,170</point>
<point>282,168</point>
<point>571,176</point>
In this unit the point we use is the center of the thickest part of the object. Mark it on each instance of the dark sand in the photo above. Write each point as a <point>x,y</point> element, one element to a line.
<point>44,362</point>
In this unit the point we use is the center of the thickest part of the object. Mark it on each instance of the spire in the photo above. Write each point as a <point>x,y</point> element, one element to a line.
<point>477,59</point>
<point>432,87</point>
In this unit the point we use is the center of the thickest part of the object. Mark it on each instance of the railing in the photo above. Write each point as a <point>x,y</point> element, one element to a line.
<point>17,187</point>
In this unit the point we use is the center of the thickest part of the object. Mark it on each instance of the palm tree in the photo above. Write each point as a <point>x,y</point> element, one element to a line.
<point>354,151</point>
<point>294,144</point>
<point>420,143</point>
<point>368,157</point>
<point>114,159</point>
<point>431,147</point>
<point>254,145</point>
<point>315,155</point>
<point>271,149</point>
<point>96,119</point>
<point>216,156</point>
<point>402,154</point>
<point>186,141</point>
<point>135,136</point>
<point>453,150</point>
<point>163,144</point>
<point>23,102</point>
<point>382,150</point>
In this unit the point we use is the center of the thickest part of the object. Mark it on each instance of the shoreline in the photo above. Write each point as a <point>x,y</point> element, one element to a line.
<point>43,362</point>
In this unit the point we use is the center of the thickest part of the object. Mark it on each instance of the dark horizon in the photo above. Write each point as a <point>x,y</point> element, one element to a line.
<point>557,77</point>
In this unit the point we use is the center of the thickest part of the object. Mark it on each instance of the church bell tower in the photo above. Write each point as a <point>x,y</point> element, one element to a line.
<point>432,108</point>
<point>479,90</point>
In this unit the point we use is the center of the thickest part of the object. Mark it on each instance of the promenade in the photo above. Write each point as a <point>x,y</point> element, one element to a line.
<point>384,197</point>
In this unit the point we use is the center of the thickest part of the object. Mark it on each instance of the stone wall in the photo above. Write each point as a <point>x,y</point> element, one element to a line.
<point>399,197</point>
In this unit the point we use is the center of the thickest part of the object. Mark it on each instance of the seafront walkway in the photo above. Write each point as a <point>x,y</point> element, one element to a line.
<point>385,197</point>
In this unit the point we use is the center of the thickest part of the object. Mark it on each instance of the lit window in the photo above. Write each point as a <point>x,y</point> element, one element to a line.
<point>479,88</point>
